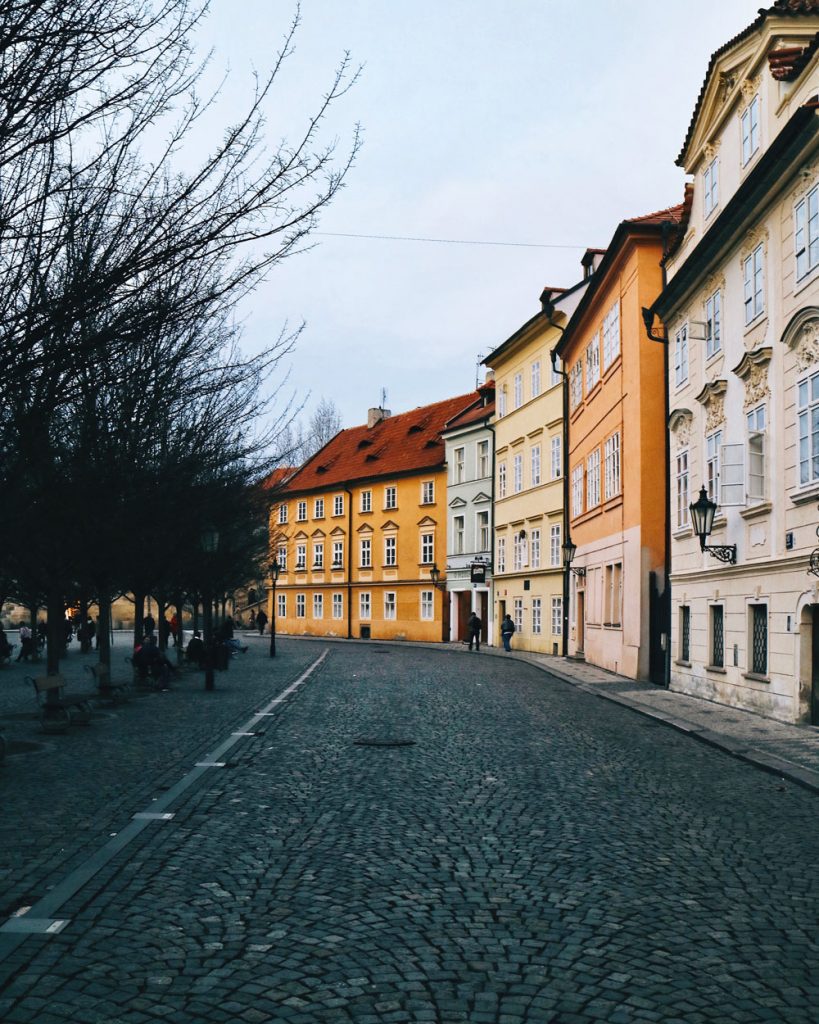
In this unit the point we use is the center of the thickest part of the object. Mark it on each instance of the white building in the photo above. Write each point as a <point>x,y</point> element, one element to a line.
<point>741,312</point>
<point>469,456</point>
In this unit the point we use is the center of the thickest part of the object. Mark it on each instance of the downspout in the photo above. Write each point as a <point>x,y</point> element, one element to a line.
<point>565,469</point>
<point>349,494</point>
<point>662,339</point>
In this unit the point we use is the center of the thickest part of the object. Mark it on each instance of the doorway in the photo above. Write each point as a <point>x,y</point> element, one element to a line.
<point>483,614</point>
<point>814,665</point>
<point>580,633</point>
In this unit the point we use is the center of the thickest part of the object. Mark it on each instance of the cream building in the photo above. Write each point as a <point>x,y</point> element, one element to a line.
<point>529,478</point>
<point>741,312</point>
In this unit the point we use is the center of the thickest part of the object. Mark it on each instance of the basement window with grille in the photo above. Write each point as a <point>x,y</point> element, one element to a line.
<point>758,627</point>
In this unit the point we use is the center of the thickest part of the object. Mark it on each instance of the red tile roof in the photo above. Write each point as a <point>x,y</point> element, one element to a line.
<point>793,8</point>
<point>481,408</point>
<point>407,443</point>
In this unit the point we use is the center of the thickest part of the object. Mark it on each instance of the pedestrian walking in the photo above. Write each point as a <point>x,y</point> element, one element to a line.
<point>149,624</point>
<point>26,644</point>
<point>175,629</point>
<point>507,629</point>
<point>261,620</point>
<point>474,626</point>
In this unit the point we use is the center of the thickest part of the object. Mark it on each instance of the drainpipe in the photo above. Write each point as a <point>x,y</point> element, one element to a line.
<point>349,494</point>
<point>565,468</point>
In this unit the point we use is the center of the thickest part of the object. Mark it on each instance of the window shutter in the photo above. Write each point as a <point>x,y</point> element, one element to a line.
<point>732,474</point>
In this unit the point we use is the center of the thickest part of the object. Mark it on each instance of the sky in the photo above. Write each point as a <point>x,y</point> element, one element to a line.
<point>537,122</point>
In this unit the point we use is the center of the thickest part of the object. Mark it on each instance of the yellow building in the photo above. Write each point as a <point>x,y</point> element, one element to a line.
<point>359,528</point>
<point>529,468</point>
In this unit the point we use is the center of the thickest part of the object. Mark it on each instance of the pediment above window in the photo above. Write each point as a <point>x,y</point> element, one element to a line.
<point>426,521</point>
<point>712,398</point>
<point>337,532</point>
<point>389,525</point>
<point>318,534</point>
<point>365,528</point>
<point>802,337</point>
<point>457,503</point>
<point>482,498</point>
<point>301,535</point>
<point>679,423</point>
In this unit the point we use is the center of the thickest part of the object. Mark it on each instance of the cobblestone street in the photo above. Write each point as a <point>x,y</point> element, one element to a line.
<point>529,854</point>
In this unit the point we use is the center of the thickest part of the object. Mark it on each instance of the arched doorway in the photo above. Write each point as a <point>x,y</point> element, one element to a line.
<point>809,664</point>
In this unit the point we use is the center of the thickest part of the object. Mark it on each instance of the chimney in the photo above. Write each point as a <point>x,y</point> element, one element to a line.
<point>375,416</point>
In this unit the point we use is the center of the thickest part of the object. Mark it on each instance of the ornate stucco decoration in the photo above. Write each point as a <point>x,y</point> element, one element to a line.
<point>711,283</point>
<point>710,149</point>
<point>755,236</point>
<point>753,369</point>
<point>806,180</point>
<point>727,81</point>
<point>802,337</point>
<point>749,87</point>
<point>679,423</point>
<point>712,398</point>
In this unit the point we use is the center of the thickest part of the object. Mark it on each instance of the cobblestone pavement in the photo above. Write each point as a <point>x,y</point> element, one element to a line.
<point>536,855</point>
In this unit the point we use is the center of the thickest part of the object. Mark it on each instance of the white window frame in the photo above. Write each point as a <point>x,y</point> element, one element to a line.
<point>517,473</point>
<point>282,514</point>
<point>537,616</point>
<point>806,233</point>
<point>611,335</point>
<point>593,479</point>
<point>683,488</point>
<point>577,489</point>
<point>318,606</point>
<point>428,492</point>
<point>427,605</point>
<point>365,552</point>
<point>750,130</point>
<point>713,445</point>
<point>557,457</point>
<point>517,613</point>
<point>576,383</point>
<point>459,466</point>
<point>338,553</point>
<point>482,530</point>
<point>593,363</point>
<point>710,187</point>
<point>732,475</point>
<point>535,378</point>
<point>427,548</point>
<point>501,401</point>
<point>557,616</point>
<point>281,604</point>
<point>301,606</point>
<point>318,508</point>
<point>517,390</point>
<point>365,610</point>
<point>281,554</point>
<point>502,479</point>
<point>301,512</point>
<point>338,504</point>
<point>318,554</point>
<point>534,466</point>
<point>612,463</point>
<point>681,356</point>
<point>501,558</point>
<point>390,605</point>
<point>391,551</point>
<point>390,497</point>
<point>753,276</point>
<point>807,411</point>
<point>366,501</point>
<point>338,606</point>
<point>534,548</point>
<point>756,422</point>
<point>555,545</point>
<point>483,459</point>
<point>301,557</point>
<point>458,534</point>
<point>713,324</point>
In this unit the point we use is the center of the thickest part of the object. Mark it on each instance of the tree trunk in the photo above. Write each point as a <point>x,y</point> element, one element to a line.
<point>180,632</point>
<point>85,641</point>
<point>105,630</point>
<point>161,611</point>
<point>56,632</point>
<point>139,617</point>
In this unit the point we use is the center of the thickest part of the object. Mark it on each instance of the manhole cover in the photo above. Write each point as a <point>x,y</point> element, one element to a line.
<point>383,742</point>
<point>22,747</point>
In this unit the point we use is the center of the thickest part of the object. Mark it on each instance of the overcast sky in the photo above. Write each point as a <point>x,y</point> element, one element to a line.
<point>529,121</point>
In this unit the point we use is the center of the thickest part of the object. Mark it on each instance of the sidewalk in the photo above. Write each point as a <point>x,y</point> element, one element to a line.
<point>789,751</point>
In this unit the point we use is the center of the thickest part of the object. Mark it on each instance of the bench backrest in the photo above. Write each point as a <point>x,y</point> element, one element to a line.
<point>43,683</point>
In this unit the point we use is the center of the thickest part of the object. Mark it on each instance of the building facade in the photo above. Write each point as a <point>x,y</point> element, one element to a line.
<point>616,456</point>
<point>358,529</point>
<point>529,468</point>
<point>469,456</point>
<point>741,313</point>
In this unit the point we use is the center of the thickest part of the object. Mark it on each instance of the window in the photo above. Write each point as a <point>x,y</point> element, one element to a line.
<point>593,363</point>
<point>593,479</point>
<point>518,392</point>
<point>557,616</point>
<point>338,505</point>
<point>754,284</point>
<point>681,356</point>
<point>750,130</point>
<point>712,466</point>
<point>428,492</point>
<point>534,553</point>
<point>535,378</point>
<point>576,383</point>
<point>318,508</point>
<point>318,606</point>
<point>501,400</point>
<point>806,233</point>
<point>459,466</point>
<point>535,465</point>
<point>683,499</point>
<point>366,501</point>
<point>338,554</point>
<point>301,556</point>
<point>501,554</point>
<point>389,604</point>
<point>301,511</point>
<point>300,606</point>
<point>710,186</point>
<point>554,372</point>
<point>557,457</point>
<point>282,513</point>
<point>807,402</point>
<point>483,531</point>
<point>685,633</point>
<point>555,541</point>
<point>364,610</point>
<point>366,545</point>
<point>281,555</point>
<point>517,466</point>
<point>731,475</point>
<point>713,341</point>
<point>338,606</point>
<point>458,534</point>
<point>577,490</point>
<point>536,616</point>
<point>281,601</point>
<point>756,453</point>
<point>427,605</point>
<point>517,613</point>
<point>390,550</point>
<point>318,555</point>
<point>612,473</point>
<point>483,459</point>
<point>611,336</point>
<point>501,479</point>
<point>518,551</point>
<point>717,637</point>
<point>427,548</point>
<point>613,595</point>
<point>390,497</point>
<point>759,639</point>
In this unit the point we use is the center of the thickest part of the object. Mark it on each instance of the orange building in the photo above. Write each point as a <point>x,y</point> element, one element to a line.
<point>617,456</point>
<point>359,528</point>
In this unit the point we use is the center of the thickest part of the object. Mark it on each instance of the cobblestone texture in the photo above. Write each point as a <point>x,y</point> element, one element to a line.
<point>537,856</point>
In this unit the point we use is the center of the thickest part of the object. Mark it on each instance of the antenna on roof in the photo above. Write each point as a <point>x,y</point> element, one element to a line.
<point>478,363</point>
<point>383,398</point>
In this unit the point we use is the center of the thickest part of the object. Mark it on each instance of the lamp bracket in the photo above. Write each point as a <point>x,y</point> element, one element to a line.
<point>580,571</point>
<point>722,552</point>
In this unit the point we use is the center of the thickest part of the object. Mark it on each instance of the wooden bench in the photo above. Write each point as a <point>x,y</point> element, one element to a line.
<point>58,708</point>
<point>106,690</point>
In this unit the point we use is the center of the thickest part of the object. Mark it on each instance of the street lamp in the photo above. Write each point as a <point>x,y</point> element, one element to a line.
<point>702,518</point>
<point>569,551</point>
<point>435,576</point>
<point>209,540</point>
<point>275,569</point>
